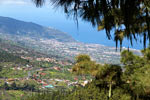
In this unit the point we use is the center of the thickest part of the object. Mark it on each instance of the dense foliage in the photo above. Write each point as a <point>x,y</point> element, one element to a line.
<point>112,82</point>
<point>24,86</point>
<point>8,57</point>
<point>84,66</point>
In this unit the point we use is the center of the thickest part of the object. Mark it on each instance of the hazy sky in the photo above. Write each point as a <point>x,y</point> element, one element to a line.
<point>18,2</point>
<point>48,16</point>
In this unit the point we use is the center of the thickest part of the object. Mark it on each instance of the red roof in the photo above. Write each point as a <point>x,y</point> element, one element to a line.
<point>43,74</point>
<point>75,78</point>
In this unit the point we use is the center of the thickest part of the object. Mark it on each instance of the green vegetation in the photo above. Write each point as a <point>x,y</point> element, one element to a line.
<point>28,85</point>
<point>111,82</point>
<point>21,77</point>
<point>10,73</point>
<point>13,95</point>
<point>8,57</point>
<point>84,66</point>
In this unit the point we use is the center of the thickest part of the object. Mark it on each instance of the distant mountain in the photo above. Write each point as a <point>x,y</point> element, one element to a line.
<point>21,28</point>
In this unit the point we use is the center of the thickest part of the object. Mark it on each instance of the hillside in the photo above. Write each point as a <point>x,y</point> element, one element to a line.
<point>53,43</point>
<point>23,70</point>
<point>8,57</point>
<point>21,28</point>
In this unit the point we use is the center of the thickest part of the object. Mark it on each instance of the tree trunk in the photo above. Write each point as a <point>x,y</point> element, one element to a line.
<point>110,89</point>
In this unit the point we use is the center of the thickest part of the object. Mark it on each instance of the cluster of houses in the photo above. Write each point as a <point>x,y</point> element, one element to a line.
<point>50,83</point>
<point>25,68</point>
<point>53,83</point>
<point>37,74</point>
<point>46,59</point>
<point>52,60</point>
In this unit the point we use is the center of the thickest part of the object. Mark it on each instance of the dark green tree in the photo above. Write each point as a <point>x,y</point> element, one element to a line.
<point>1,68</point>
<point>136,69</point>
<point>82,57</point>
<point>13,86</point>
<point>84,65</point>
<point>5,86</point>
<point>109,75</point>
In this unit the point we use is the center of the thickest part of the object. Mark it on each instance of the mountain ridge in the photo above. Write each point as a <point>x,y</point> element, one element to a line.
<point>16,27</point>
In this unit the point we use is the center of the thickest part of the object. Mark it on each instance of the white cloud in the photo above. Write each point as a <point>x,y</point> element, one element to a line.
<point>18,2</point>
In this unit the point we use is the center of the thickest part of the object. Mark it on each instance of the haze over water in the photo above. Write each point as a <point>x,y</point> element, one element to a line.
<point>50,17</point>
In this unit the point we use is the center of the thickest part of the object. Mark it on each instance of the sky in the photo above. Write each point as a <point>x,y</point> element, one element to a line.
<point>49,16</point>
